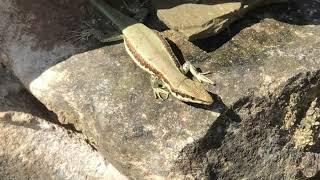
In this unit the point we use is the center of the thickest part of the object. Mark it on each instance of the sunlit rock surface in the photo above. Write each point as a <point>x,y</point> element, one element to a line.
<point>267,84</point>
<point>32,148</point>
<point>198,19</point>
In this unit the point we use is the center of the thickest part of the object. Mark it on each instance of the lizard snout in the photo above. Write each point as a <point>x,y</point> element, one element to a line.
<point>195,92</point>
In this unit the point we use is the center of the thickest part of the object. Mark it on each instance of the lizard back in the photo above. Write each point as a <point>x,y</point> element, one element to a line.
<point>152,53</point>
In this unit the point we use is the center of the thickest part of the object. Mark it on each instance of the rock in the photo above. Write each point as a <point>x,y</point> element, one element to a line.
<point>95,91</point>
<point>32,148</point>
<point>266,54</point>
<point>255,144</point>
<point>310,165</point>
<point>106,96</point>
<point>38,39</point>
<point>261,74</point>
<point>200,19</point>
<point>14,97</point>
<point>31,41</point>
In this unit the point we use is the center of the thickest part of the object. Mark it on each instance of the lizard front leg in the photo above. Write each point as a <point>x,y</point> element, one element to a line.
<point>187,66</point>
<point>158,88</point>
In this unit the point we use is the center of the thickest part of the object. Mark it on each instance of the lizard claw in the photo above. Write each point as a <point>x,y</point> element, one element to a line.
<point>158,88</point>
<point>200,76</point>
<point>158,91</point>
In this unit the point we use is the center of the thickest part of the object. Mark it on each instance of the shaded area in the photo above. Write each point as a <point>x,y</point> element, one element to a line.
<point>50,20</point>
<point>258,146</point>
<point>294,12</point>
<point>167,4</point>
<point>14,97</point>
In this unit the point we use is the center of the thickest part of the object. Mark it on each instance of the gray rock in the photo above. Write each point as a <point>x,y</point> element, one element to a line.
<point>97,90</point>
<point>272,127</point>
<point>106,96</point>
<point>203,18</point>
<point>264,55</point>
<point>250,140</point>
<point>37,39</point>
<point>31,41</point>
<point>32,148</point>
<point>110,99</point>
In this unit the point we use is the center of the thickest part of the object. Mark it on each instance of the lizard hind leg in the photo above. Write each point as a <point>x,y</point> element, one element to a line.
<point>159,88</point>
<point>106,38</point>
<point>200,76</point>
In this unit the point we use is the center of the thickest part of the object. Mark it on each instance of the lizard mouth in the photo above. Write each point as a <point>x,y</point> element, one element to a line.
<point>207,101</point>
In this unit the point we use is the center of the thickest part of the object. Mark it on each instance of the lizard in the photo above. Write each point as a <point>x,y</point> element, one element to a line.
<point>150,51</point>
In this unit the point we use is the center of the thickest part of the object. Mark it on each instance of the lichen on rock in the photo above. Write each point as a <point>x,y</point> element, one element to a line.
<point>305,133</point>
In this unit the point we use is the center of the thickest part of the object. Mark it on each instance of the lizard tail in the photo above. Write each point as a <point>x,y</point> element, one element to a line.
<point>120,20</point>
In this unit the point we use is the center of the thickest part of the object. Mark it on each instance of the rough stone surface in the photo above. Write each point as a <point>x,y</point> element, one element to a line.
<point>262,56</point>
<point>275,132</point>
<point>270,129</point>
<point>267,53</point>
<point>255,144</point>
<point>32,148</point>
<point>36,40</point>
<point>203,18</point>
<point>115,106</point>
<point>95,91</point>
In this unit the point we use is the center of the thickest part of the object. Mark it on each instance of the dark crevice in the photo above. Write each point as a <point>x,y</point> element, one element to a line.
<point>316,177</point>
<point>24,101</point>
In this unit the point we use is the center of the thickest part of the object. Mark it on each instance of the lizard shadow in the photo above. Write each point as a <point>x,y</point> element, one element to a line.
<point>217,106</point>
<point>213,139</point>
<point>215,135</point>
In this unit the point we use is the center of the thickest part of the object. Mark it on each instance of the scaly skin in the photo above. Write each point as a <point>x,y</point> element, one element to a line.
<point>151,52</point>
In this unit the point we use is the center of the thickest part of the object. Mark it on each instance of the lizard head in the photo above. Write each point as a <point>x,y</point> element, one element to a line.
<point>192,91</point>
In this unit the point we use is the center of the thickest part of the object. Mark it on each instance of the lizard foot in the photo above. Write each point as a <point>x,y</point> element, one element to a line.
<point>158,91</point>
<point>158,88</point>
<point>200,76</point>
